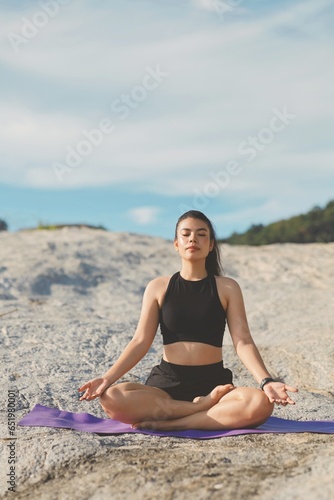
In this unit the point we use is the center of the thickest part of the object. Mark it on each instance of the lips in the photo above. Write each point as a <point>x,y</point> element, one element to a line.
<point>192,248</point>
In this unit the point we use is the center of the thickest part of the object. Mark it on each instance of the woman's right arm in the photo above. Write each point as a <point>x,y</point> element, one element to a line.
<point>136,348</point>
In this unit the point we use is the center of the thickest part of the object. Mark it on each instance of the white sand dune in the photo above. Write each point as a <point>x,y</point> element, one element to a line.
<point>69,302</point>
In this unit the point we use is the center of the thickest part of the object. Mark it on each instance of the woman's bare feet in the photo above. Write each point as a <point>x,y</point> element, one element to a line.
<point>206,402</point>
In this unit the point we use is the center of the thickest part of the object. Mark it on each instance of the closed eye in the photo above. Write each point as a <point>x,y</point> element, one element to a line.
<point>188,234</point>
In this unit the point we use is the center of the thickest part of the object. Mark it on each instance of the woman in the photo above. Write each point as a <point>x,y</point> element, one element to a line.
<point>190,389</point>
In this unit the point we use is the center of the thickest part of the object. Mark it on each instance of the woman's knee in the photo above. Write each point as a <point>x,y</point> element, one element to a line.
<point>109,393</point>
<point>257,407</point>
<point>261,407</point>
<point>118,390</point>
<point>112,398</point>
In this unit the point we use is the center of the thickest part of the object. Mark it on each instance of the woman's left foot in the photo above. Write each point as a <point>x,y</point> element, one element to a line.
<point>206,402</point>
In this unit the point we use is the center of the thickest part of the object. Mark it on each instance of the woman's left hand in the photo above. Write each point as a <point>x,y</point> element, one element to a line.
<point>277,393</point>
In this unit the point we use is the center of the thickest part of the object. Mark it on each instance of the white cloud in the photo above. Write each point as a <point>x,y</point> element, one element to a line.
<point>144,215</point>
<point>220,7</point>
<point>204,4</point>
<point>224,81</point>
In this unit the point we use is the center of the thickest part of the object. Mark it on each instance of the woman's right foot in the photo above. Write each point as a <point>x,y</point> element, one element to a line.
<point>206,402</point>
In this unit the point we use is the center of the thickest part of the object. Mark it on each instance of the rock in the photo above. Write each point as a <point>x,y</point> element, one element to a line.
<point>70,301</point>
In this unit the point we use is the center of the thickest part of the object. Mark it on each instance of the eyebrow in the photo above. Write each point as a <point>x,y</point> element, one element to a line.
<point>200,229</point>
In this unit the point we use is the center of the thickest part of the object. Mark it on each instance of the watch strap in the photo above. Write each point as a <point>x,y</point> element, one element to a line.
<point>265,381</point>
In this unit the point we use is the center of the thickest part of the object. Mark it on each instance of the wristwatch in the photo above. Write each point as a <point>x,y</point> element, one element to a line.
<point>265,381</point>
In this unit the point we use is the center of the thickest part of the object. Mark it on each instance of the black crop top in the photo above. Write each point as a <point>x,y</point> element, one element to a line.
<point>192,311</point>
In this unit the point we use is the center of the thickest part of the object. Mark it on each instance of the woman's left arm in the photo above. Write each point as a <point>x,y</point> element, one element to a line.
<point>245,347</point>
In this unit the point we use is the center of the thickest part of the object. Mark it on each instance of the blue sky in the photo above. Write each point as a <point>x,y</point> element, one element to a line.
<point>126,113</point>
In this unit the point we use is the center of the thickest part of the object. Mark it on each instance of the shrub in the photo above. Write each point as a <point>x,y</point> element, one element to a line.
<point>3,225</point>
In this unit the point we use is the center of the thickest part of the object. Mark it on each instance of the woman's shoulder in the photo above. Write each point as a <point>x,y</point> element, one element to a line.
<point>228,290</point>
<point>159,281</point>
<point>158,284</point>
<point>226,284</point>
<point>157,288</point>
<point>225,280</point>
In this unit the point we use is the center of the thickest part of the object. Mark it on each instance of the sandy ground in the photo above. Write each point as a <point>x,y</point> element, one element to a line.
<point>73,299</point>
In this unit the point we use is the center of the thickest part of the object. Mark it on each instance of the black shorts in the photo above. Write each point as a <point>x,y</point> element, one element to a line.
<point>186,382</point>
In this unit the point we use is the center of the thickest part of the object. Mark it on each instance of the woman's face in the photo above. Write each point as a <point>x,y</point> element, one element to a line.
<point>193,239</point>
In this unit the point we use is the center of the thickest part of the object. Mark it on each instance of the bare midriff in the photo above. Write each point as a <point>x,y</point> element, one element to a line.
<point>192,353</point>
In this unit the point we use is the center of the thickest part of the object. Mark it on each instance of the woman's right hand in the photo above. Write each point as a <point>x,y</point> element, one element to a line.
<point>94,388</point>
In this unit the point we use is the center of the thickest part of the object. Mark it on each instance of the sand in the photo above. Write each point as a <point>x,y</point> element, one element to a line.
<point>69,303</point>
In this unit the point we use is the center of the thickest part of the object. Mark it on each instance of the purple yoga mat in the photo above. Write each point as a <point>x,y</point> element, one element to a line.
<point>43,416</point>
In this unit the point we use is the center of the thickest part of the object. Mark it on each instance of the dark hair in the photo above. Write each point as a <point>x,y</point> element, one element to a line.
<point>213,263</point>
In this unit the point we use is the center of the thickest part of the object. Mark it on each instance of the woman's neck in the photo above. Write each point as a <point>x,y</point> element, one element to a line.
<point>193,271</point>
